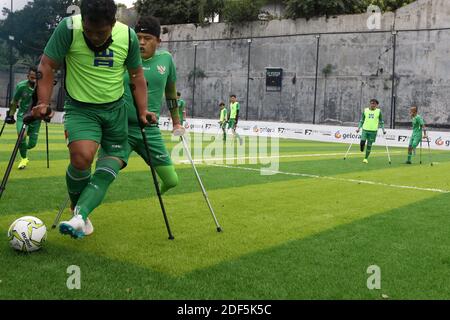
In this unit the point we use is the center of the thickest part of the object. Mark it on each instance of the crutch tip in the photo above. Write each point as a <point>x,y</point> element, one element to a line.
<point>219,229</point>
<point>171,238</point>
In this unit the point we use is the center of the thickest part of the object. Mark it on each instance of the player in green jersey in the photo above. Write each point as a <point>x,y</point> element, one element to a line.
<point>233,117</point>
<point>96,51</point>
<point>223,120</point>
<point>418,126</point>
<point>160,74</point>
<point>371,120</point>
<point>22,99</point>
<point>181,108</point>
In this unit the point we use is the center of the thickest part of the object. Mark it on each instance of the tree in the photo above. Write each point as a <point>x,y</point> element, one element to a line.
<point>316,8</point>
<point>242,10</point>
<point>33,25</point>
<point>180,11</point>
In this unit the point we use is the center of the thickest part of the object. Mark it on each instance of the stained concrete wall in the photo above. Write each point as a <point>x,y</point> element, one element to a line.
<point>361,65</point>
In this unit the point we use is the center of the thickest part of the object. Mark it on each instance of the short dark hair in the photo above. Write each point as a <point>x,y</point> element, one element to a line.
<point>178,94</point>
<point>99,11</point>
<point>32,69</point>
<point>148,24</point>
<point>232,95</point>
<point>374,100</point>
<point>221,104</point>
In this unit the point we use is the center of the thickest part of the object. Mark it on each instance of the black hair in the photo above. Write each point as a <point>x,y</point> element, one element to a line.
<point>32,69</point>
<point>148,24</point>
<point>178,94</point>
<point>374,100</point>
<point>99,11</point>
<point>221,104</point>
<point>233,95</point>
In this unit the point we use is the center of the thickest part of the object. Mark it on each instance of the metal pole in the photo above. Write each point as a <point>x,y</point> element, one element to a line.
<point>195,72</point>
<point>317,76</point>
<point>393,97</point>
<point>249,41</point>
<point>11,39</point>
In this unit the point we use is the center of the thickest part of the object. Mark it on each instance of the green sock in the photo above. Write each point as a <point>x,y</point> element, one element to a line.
<point>106,171</point>
<point>76,181</point>
<point>369,148</point>
<point>23,148</point>
<point>168,177</point>
<point>32,141</point>
<point>409,156</point>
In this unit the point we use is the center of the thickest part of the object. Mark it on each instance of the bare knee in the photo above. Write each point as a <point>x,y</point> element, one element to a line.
<point>82,154</point>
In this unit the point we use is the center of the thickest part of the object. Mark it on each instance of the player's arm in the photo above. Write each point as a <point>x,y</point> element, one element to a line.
<point>138,84</point>
<point>45,78</point>
<point>172,104</point>
<point>15,101</point>
<point>54,53</point>
<point>361,122</point>
<point>381,123</point>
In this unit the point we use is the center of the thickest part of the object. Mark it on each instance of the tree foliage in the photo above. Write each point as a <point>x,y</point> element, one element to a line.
<point>32,26</point>
<point>316,8</point>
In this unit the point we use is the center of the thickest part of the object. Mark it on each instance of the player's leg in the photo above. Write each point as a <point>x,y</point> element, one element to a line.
<point>371,137</point>
<point>23,145</point>
<point>114,157</point>
<point>413,143</point>
<point>33,134</point>
<point>160,157</point>
<point>362,143</point>
<point>83,134</point>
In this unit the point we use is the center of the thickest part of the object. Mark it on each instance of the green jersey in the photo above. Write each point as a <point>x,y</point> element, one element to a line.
<point>181,105</point>
<point>159,70</point>
<point>371,120</point>
<point>93,77</point>
<point>23,96</point>
<point>417,124</point>
<point>234,108</point>
<point>223,115</point>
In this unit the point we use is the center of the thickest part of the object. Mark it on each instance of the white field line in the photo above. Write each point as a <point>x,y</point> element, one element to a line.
<point>284,156</point>
<point>335,179</point>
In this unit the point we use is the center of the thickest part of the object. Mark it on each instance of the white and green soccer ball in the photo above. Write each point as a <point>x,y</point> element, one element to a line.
<point>27,234</point>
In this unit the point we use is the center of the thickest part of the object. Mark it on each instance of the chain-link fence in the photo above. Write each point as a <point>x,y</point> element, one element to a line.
<point>326,78</point>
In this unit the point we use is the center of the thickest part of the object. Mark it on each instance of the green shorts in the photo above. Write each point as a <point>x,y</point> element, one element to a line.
<point>107,125</point>
<point>415,141</point>
<point>33,128</point>
<point>158,152</point>
<point>231,123</point>
<point>370,136</point>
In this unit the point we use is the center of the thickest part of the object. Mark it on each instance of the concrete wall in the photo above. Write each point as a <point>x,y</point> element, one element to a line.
<point>361,65</point>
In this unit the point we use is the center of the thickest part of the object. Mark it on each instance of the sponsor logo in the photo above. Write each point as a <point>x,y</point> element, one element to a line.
<point>338,135</point>
<point>255,129</point>
<point>402,138</point>
<point>346,136</point>
<point>281,130</point>
<point>439,141</point>
<point>308,132</point>
<point>116,146</point>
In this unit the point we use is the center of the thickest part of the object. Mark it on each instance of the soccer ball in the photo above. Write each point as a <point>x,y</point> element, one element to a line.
<point>27,234</point>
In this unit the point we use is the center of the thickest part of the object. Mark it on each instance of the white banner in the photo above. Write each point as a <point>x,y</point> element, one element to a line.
<point>439,140</point>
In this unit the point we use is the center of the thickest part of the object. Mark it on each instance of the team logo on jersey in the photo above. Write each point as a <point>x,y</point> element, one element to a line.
<point>104,58</point>
<point>161,69</point>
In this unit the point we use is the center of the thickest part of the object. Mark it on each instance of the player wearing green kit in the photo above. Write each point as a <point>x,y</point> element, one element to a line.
<point>418,126</point>
<point>22,99</point>
<point>223,120</point>
<point>233,117</point>
<point>160,73</point>
<point>181,108</point>
<point>371,120</point>
<point>97,51</point>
